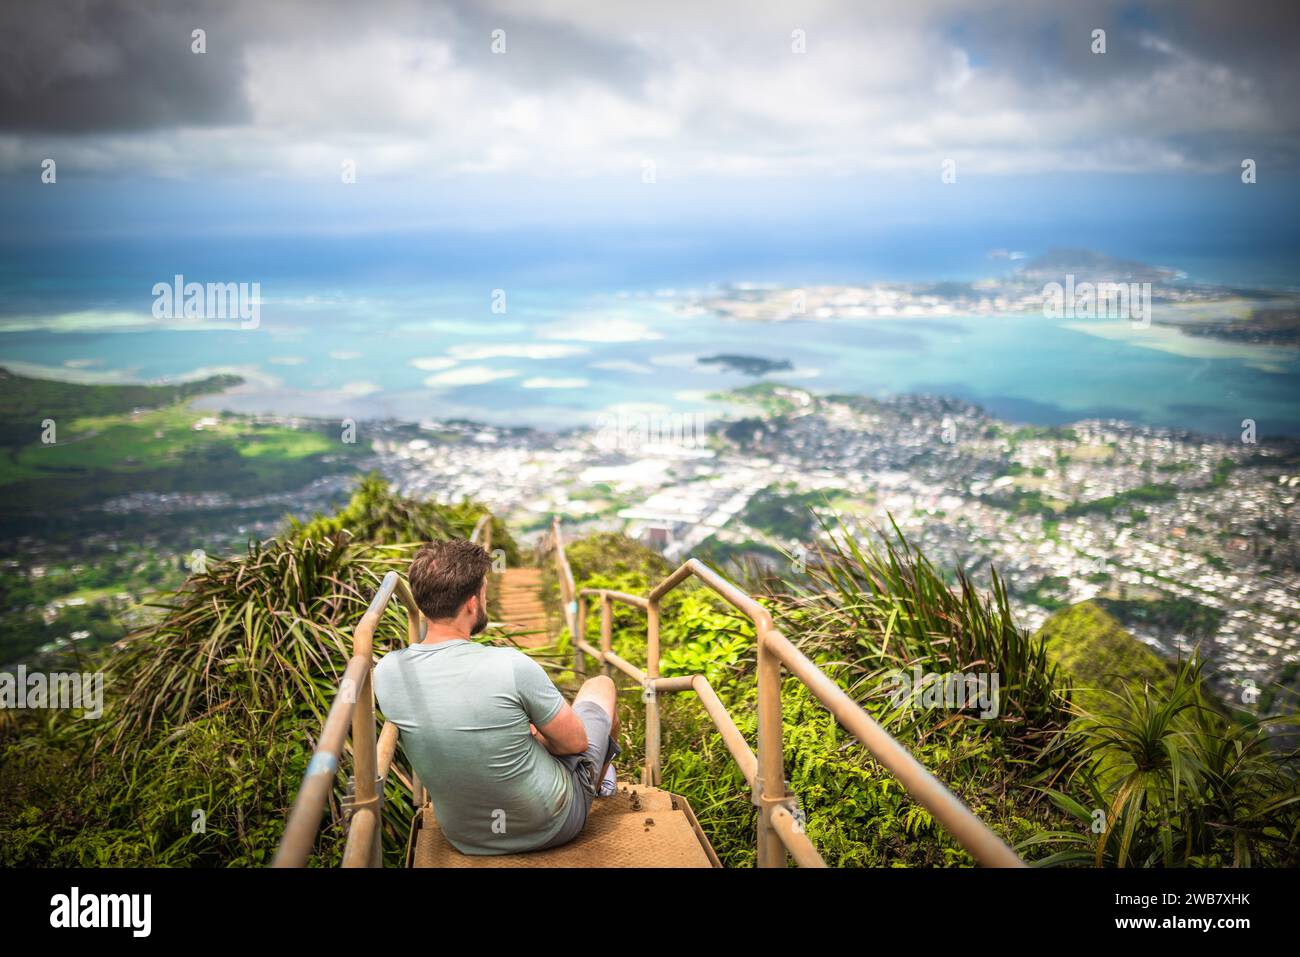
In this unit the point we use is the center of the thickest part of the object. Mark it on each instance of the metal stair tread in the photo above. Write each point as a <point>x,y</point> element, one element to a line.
<point>619,833</point>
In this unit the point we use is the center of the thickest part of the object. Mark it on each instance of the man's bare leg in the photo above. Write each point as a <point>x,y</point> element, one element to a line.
<point>601,690</point>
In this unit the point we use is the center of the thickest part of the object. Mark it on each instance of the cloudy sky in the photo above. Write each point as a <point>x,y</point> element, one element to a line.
<point>585,96</point>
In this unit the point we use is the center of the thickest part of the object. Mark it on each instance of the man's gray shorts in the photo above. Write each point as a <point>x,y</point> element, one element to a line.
<point>585,768</point>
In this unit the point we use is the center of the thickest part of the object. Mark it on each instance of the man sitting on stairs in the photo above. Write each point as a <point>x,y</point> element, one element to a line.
<point>509,764</point>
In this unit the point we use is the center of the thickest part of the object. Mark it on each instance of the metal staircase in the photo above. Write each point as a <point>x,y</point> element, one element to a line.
<point>642,825</point>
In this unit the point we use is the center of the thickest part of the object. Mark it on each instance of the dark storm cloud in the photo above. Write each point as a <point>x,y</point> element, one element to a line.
<point>91,66</point>
<point>72,66</point>
<point>1046,42</point>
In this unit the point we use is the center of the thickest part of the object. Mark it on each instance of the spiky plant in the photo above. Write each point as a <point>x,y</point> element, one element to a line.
<point>1162,779</point>
<point>881,593</point>
<point>265,633</point>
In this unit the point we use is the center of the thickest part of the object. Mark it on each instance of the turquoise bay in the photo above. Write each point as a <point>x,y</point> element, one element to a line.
<point>557,359</point>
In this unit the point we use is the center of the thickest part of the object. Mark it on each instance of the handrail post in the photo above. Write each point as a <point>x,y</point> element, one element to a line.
<point>364,847</point>
<point>579,634</point>
<point>769,785</point>
<point>568,591</point>
<point>606,632</point>
<point>365,766</point>
<point>652,727</point>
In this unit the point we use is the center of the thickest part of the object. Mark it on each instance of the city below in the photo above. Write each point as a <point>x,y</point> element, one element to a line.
<point>1195,534</point>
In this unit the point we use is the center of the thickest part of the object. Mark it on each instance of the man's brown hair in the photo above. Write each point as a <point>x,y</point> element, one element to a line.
<point>445,575</point>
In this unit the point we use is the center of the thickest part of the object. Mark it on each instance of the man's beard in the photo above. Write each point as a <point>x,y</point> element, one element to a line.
<point>480,622</point>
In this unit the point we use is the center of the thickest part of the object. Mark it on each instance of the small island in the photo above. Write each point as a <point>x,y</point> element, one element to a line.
<point>748,365</point>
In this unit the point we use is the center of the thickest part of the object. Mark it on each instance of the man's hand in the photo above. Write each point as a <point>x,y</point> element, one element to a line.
<point>565,733</point>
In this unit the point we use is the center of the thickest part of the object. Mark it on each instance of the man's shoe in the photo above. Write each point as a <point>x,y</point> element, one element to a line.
<point>609,785</point>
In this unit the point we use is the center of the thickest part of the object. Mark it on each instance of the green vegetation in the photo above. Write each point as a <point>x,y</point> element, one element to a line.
<point>748,365</point>
<point>785,513</point>
<point>1028,433</point>
<point>1021,501</point>
<point>25,402</point>
<point>1031,502</point>
<point>1047,591</point>
<point>214,708</point>
<point>751,431</point>
<point>66,448</point>
<point>864,615</point>
<point>1283,693</point>
<point>43,608</point>
<point>375,515</point>
<point>739,559</point>
<point>1221,472</point>
<point>1163,492</point>
<point>772,398</point>
<point>1170,614</point>
<point>109,441</point>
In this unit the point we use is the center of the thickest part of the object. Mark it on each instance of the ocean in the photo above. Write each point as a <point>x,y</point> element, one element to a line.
<point>420,329</point>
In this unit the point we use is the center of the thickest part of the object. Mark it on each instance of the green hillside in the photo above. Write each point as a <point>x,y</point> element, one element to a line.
<point>65,446</point>
<point>1095,651</point>
<point>25,402</point>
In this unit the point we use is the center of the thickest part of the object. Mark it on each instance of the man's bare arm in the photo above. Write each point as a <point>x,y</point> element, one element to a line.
<point>541,739</point>
<point>565,733</point>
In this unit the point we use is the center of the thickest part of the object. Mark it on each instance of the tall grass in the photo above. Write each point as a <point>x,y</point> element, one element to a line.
<point>266,633</point>
<point>883,596</point>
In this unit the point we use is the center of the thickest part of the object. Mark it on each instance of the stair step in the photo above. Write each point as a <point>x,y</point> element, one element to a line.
<point>622,831</point>
<point>518,609</point>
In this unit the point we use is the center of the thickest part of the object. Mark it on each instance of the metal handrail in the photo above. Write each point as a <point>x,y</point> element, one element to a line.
<point>779,829</point>
<point>372,757</point>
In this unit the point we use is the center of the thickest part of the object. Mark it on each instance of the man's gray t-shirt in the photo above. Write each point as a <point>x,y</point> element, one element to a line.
<point>463,709</point>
